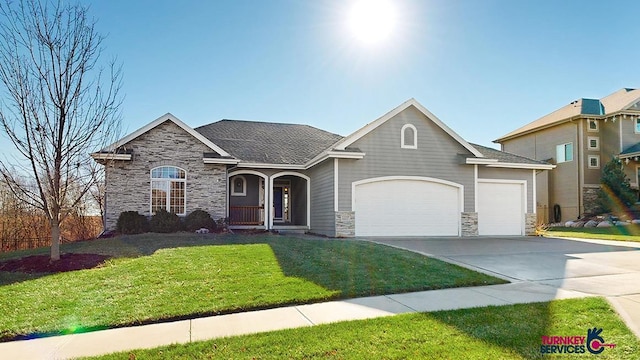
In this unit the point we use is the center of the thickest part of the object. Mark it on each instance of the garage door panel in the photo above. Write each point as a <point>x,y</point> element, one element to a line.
<point>500,208</point>
<point>406,208</point>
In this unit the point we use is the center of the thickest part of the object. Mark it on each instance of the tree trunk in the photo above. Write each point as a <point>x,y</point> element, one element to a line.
<point>55,241</point>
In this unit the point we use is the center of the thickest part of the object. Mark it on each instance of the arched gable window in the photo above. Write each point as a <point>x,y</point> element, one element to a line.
<point>409,137</point>
<point>238,186</point>
<point>168,189</point>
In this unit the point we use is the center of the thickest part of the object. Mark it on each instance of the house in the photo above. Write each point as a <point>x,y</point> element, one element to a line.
<point>404,174</point>
<point>579,138</point>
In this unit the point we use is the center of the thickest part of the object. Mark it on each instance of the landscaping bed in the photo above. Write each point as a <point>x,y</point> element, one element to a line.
<point>43,264</point>
<point>629,232</point>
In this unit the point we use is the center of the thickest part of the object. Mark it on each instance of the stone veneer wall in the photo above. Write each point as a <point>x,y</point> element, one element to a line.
<point>345,224</point>
<point>128,182</point>
<point>530,220</point>
<point>590,199</point>
<point>469,222</point>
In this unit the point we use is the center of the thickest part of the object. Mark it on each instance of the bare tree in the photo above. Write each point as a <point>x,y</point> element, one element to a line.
<point>57,103</point>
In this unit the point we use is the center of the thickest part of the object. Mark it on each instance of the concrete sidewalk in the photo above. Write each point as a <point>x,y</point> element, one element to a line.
<point>149,336</point>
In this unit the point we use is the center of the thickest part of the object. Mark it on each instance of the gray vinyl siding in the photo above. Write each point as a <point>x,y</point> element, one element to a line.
<point>299,201</point>
<point>437,156</point>
<point>511,174</point>
<point>322,199</point>
<point>252,194</point>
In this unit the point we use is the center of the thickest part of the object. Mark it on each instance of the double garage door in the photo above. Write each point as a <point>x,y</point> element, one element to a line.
<point>431,207</point>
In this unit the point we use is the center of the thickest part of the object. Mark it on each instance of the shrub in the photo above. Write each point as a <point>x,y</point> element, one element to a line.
<point>130,222</point>
<point>165,222</point>
<point>199,219</point>
<point>615,194</point>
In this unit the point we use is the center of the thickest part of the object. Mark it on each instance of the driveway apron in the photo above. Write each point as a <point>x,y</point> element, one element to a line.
<point>602,268</point>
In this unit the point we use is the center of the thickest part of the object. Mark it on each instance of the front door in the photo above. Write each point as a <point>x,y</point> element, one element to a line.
<point>281,202</point>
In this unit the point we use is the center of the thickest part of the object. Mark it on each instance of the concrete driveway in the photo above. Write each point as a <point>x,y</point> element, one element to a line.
<point>603,268</point>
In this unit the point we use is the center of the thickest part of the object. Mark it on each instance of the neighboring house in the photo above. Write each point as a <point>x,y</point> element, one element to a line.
<point>404,174</point>
<point>580,138</point>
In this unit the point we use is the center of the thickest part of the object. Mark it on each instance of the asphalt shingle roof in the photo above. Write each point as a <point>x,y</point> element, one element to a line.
<point>269,143</point>
<point>505,157</point>
<point>609,104</point>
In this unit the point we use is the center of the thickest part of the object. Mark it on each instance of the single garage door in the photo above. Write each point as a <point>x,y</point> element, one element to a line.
<point>407,207</point>
<point>500,208</point>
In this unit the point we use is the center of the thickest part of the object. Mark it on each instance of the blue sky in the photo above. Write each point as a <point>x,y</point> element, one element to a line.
<point>484,67</point>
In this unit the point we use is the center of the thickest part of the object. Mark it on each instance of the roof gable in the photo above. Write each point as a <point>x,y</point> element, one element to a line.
<point>160,120</point>
<point>622,99</point>
<point>349,140</point>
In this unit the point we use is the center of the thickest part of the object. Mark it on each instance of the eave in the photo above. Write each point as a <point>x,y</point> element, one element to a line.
<point>522,166</point>
<point>480,161</point>
<point>497,164</point>
<point>110,156</point>
<point>566,120</point>
<point>271,166</point>
<point>332,154</point>
<point>629,155</point>
<point>220,161</point>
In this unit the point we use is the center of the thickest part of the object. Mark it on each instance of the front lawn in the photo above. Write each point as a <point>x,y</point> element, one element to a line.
<point>619,233</point>
<point>155,277</point>
<point>498,332</point>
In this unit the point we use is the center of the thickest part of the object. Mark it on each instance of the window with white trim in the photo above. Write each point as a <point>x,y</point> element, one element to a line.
<point>637,127</point>
<point>592,125</point>
<point>168,189</point>
<point>564,153</point>
<point>409,137</point>
<point>594,161</point>
<point>593,143</point>
<point>238,186</point>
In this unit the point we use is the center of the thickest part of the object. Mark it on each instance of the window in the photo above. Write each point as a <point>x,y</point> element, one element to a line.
<point>594,161</point>
<point>238,186</point>
<point>593,143</point>
<point>564,153</point>
<point>592,125</point>
<point>168,184</point>
<point>409,137</point>
<point>637,128</point>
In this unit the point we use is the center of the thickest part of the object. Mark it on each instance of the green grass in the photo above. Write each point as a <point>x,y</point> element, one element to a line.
<point>618,233</point>
<point>157,277</point>
<point>499,332</point>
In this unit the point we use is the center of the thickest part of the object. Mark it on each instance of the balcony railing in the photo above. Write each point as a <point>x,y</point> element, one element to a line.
<point>246,215</point>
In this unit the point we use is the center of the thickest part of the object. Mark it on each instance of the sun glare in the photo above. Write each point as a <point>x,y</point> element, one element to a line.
<point>372,21</point>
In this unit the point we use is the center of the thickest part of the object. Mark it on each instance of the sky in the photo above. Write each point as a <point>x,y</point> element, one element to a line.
<point>483,67</point>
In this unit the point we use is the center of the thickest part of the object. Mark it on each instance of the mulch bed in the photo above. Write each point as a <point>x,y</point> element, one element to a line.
<point>42,263</point>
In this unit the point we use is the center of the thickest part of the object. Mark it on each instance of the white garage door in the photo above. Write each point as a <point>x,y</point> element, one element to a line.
<point>500,208</point>
<point>407,207</point>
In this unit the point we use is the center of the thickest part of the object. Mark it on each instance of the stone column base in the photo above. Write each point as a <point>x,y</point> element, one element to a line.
<point>469,221</point>
<point>530,220</point>
<point>345,224</point>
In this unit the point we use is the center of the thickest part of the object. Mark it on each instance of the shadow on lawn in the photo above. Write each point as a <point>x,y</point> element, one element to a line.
<point>539,330</point>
